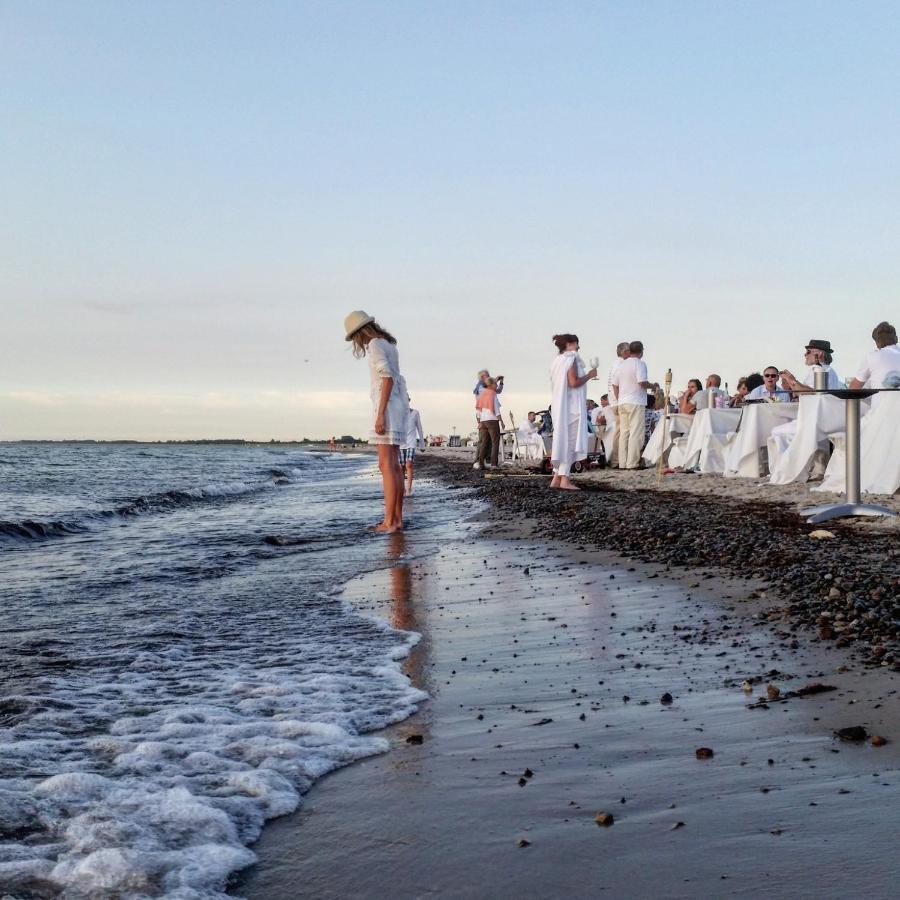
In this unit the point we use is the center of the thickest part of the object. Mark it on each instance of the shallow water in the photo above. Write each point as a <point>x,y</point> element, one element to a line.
<point>177,664</point>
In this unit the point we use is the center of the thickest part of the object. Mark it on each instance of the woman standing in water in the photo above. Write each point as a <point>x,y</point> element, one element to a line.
<point>570,433</point>
<point>390,408</point>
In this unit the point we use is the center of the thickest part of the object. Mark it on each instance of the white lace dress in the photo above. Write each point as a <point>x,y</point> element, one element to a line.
<point>384,362</point>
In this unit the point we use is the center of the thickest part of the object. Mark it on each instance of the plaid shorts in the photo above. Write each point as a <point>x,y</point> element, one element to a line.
<point>407,455</point>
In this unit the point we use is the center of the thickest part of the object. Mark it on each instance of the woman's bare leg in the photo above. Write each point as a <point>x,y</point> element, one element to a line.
<point>398,493</point>
<point>409,477</point>
<point>392,479</point>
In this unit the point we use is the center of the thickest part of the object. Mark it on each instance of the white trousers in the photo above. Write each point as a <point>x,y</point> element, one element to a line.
<point>564,466</point>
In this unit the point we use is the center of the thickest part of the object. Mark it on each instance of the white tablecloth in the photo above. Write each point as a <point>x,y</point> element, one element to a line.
<point>707,439</point>
<point>661,439</point>
<point>818,416</point>
<point>757,422</point>
<point>879,444</point>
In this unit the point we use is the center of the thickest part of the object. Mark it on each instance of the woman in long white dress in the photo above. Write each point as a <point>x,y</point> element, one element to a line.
<point>390,408</point>
<point>570,432</point>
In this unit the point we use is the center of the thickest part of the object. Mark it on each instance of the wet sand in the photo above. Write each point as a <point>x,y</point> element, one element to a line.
<point>529,652</point>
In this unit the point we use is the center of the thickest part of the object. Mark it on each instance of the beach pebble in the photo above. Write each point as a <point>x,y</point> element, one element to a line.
<point>821,534</point>
<point>704,753</point>
<point>521,842</point>
<point>773,692</point>
<point>852,733</point>
<point>666,698</point>
<point>878,740</point>
<point>604,819</point>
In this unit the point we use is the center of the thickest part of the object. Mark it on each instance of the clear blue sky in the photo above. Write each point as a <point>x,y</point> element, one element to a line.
<point>194,194</point>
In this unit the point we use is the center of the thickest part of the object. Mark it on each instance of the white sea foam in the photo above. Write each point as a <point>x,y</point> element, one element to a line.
<point>164,803</point>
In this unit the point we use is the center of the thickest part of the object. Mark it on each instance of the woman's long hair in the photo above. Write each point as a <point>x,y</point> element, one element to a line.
<point>361,338</point>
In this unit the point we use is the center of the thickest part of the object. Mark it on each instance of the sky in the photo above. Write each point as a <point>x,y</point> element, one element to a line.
<point>194,194</point>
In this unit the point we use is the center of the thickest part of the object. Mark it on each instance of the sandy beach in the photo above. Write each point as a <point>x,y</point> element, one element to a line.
<point>567,681</point>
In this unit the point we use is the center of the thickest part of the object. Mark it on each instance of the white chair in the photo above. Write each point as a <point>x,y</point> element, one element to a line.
<point>792,447</point>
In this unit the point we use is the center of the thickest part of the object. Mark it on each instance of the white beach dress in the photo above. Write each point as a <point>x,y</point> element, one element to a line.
<point>570,433</point>
<point>384,362</point>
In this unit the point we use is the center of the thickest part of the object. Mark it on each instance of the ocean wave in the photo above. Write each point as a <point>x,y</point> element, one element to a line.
<point>164,501</point>
<point>30,530</point>
<point>163,801</point>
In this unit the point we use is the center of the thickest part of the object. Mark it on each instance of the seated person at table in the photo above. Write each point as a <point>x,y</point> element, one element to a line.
<point>604,410</point>
<point>742,390</point>
<point>685,401</point>
<point>713,382</point>
<point>771,389</point>
<point>881,367</point>
<point>659,394</point>
<point>817,355</point>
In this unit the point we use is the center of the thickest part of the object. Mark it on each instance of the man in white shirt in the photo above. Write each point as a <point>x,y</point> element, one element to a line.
<point>415,438</point>
<point>528,434</point>
<point>882,364</point>
<point>622,353</point>
<point>771,389</point>
<point>629,387</point>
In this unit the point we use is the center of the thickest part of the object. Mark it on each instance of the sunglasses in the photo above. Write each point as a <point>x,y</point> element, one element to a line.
<point>775,375</point>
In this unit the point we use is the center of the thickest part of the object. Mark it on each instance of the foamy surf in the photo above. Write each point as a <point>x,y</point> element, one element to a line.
<point>165,802</point>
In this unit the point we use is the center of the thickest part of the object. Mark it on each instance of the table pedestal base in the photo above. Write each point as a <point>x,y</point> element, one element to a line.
<point>828,511</point>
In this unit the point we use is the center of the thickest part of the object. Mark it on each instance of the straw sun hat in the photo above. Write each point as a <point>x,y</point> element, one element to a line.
<point>356,320</point>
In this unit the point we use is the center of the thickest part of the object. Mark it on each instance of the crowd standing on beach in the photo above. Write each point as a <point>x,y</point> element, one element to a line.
<point>633,405</point>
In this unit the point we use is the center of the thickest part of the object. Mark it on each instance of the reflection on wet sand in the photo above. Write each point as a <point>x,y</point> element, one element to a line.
<point>404,613</point>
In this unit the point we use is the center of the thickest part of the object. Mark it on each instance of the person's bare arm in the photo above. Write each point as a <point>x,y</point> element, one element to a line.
<point>855,384</point>
<point>387,385</point>
<point>575,381</point>
<point>685,406</point>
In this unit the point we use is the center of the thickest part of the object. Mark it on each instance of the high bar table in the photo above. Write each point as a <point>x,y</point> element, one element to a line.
<point>851,505</point>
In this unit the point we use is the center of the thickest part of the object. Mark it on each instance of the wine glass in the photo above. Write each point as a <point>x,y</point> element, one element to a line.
<point>594,361</point>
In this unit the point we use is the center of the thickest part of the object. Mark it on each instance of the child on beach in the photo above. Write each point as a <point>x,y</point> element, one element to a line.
<point>390,408</point>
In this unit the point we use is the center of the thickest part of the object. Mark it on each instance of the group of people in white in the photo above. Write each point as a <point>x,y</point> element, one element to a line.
<point>626,415</point>
<point>630,410</point>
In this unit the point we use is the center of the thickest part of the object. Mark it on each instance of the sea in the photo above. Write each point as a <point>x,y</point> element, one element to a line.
<point>177,663</point>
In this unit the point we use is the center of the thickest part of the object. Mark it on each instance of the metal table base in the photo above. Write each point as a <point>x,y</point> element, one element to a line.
<point>851,505</point>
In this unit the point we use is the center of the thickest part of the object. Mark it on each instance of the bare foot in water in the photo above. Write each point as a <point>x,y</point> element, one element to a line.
<point>384,528</point>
